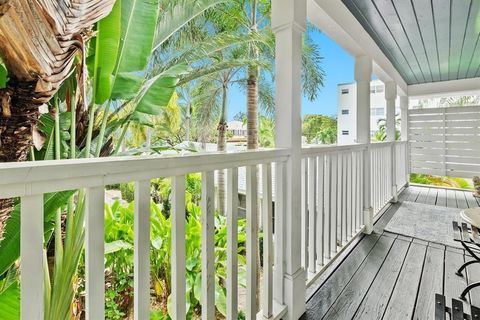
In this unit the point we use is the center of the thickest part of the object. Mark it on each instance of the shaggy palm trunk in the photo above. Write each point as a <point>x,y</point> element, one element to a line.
<point>17,119</point>
<point>252,144</point>
<point>222,146</point>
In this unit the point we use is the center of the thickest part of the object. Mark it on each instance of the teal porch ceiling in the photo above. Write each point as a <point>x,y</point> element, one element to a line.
<point>426,40</point>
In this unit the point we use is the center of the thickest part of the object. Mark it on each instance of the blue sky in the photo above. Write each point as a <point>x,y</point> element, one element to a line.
<point>338,66</point>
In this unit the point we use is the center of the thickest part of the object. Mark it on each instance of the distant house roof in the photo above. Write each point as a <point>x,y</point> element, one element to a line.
<point>236,125</point>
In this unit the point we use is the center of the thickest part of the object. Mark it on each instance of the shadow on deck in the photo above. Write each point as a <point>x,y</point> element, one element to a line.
<point>389,276</point>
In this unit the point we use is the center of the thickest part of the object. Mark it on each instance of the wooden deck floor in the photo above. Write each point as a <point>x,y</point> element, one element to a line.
<point>395,277</point>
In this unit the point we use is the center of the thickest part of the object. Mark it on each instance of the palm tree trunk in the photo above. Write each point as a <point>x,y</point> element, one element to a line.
<point>252,108</point>
<point>222,146</point>
<point>252,144</point>
<point>17,120</point>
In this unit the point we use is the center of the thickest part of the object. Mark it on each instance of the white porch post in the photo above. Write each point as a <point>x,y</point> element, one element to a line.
<point>404,132</point>
<point>288,23</point>
<point>390,97</point>
<point>363,75</point>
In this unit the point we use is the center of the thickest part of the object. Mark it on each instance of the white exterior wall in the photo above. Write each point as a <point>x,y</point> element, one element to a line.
<point>347,101</point>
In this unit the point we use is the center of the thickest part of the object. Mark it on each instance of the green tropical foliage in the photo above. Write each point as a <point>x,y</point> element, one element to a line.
<point>321,128</point>
<point>451,182</point>
<point>119,256</point>
<point>381,133</point>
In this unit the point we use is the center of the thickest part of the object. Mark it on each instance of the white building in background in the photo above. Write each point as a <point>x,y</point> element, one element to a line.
<point>346,109</point>
<point>237,128</point>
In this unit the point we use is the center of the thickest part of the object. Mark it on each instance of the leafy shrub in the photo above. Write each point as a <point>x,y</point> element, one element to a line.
<point>452,182</point>
<point>119,239</point>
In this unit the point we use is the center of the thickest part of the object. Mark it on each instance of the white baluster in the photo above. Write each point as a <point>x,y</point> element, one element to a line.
<point>320,211</point>
<point>178,248</point>
<point>267,294</point>
<point>208,247</point>
<point>328,211</point>
<point>340,197</point>
<point>354,192</point>
<point>141,276</point>
<point>344,198</point>
<point>279,267</point>
<point>232,244</point>
<point>252,242</point>
<point>312,206</point>
<point>31,258</point>
<point>349,195</point>
<point>304,219</point>
<point>95,254</point>
<point>333,203</point>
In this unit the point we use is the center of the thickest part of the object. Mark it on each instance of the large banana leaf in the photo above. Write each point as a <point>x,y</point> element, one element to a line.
<point>106,50</point>
<point>10,302</point>
<point>10,245</point>
<point>157,92</point>
<point>139,19</point>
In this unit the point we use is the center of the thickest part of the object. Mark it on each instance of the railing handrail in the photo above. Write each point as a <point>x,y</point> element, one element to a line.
<point>322,149</point>
<point>29,178</point>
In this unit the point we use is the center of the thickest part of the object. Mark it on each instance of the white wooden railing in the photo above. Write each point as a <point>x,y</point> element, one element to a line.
<point>333,196</point>
<point>31,180</point>
<point>381,174</point>
<point>332,203</point>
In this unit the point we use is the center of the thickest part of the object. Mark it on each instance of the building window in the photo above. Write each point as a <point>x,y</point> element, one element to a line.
<point>345,111</point>
<point>345,132</point>
<point>379,111</point>
<point>376,89</point>
<point>344,91</point>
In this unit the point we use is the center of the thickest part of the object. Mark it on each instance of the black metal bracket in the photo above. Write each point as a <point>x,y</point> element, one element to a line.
<point>456,312</point>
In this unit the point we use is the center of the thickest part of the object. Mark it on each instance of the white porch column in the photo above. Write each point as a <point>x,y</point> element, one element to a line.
<point>404,117</point>
<point>390,97</point>
<point>363,75</point>
<point>288,23</point>
<point>404,131</point>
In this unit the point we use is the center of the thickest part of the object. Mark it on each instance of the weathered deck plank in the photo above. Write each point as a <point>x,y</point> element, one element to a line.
<point>351,297</point>
<point>432,196</point>
<point>318,306</point>
<point>453,284</point>
<point>375,301</point>
<point>431,282</point>
<point>402,302</point>
<point>461,200</point>
<point>442,198</point>
<point>451,199</point>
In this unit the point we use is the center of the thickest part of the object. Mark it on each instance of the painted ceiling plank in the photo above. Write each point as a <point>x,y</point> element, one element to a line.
<point>441,12</point>
<point>408,17</point>
<point>388,13</point>
<point>371,20</point>
<point>459,22</point>
<point>474,66</point>
<point>471,37</point>
<point>424,14</point>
